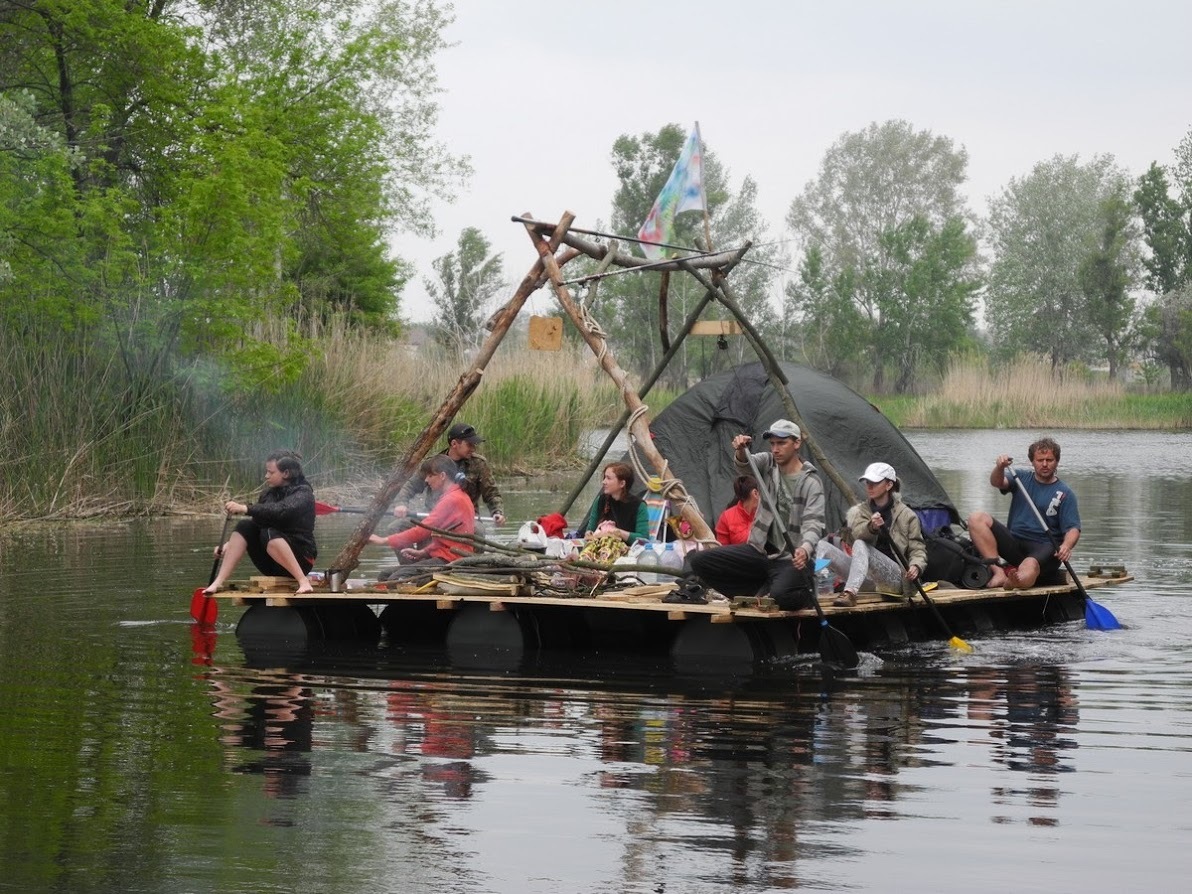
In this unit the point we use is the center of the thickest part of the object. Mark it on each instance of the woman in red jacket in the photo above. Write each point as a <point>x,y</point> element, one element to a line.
<point>734,523</point>
<point>416,547</point>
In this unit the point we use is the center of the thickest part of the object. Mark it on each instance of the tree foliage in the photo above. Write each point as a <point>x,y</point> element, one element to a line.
<point>1166,211</point>
<point>1044,227</point>
<point>889,268</point>
<point>467,279</point>
<point>215,165</point>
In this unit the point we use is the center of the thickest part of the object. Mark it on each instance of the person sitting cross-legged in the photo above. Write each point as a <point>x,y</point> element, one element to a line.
<point>872,524</point>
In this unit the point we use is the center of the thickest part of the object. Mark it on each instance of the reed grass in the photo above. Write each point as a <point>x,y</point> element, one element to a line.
<point>1025,394</point>
<point>80,436</point>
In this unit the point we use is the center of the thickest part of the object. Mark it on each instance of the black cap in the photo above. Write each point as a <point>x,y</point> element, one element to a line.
<point>461,431</point>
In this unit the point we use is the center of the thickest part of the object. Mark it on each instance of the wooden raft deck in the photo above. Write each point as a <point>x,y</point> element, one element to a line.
<point>277,592</point>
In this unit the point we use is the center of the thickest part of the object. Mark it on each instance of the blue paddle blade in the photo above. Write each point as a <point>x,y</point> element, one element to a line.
<point>821,564</point>
<point>1098,617</point>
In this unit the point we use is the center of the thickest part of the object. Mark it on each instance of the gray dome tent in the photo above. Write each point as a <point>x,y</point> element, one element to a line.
<point>695,433</point>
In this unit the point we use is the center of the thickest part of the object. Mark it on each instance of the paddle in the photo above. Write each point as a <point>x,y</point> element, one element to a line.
<point>1096,617</point>
<point>322,508</point>
<point>204,608</point>
<point>953,640</point>
<point>835,647</point>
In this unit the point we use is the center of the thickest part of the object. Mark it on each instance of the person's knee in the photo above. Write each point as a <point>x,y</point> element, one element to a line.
<point>980,520</point>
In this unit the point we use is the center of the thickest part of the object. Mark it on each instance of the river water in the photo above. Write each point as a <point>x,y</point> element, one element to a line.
<point>1056,760</point>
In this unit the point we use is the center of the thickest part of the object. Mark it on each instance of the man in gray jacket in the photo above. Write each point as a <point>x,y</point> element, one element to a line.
<point>764,560</point>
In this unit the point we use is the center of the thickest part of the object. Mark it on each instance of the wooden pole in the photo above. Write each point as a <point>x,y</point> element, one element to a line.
<point>777,378</point>
<point>349,555</point>
<point>688,325</point>
<point>639,427</point>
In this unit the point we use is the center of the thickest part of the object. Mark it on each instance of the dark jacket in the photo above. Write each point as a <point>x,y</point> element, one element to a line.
<point>289,510</point>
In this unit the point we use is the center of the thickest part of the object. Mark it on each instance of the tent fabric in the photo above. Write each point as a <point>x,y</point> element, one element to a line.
<point>695,435</point>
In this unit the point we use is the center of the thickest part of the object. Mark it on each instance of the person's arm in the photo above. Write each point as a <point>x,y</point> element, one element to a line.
<point>641,525</point>
<point>811,523</point>
<point>916,546</point>
<point>725,526</point>
<point>589,522</point>
<point>997,477</point>
<point>489,492</point>
<point>288,512</point>
<point>1069,524</point>
<point>414,485</point>
<point>858,522</point>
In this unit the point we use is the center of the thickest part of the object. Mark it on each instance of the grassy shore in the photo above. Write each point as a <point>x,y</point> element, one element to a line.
<point>975,394</point>
<point>77,439</point>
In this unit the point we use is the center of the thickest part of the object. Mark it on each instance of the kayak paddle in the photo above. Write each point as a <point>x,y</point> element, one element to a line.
<point>204,608</point>
<point>953,640</point>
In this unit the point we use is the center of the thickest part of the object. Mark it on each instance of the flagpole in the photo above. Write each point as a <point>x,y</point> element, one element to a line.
<point>707,220</point>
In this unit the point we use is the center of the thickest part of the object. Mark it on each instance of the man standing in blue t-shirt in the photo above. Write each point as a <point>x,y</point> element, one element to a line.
<point>1029,550</point>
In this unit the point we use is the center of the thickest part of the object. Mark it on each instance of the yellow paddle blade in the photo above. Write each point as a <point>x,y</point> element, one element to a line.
<point>929,586</point>
<point>959,645</point>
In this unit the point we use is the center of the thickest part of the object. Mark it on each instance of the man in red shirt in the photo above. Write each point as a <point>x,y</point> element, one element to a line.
<point>418,548</point>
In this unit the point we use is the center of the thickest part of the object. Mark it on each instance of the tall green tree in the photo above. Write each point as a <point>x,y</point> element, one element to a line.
<point>467,279</point>
<point>222,167</point>
<point>923,287</point>
<point>1107,277</point>
<point>1043,227</point>
<point>886,202</point>
<point>1166,211</point>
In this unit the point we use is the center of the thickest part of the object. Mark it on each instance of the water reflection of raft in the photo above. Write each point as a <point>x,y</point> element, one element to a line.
<point>511,620</point>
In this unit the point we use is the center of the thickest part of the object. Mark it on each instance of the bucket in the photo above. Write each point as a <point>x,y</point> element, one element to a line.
<point>336,580</point>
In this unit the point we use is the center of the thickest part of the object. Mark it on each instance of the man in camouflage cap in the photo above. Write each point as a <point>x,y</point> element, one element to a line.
<point>474,476</point>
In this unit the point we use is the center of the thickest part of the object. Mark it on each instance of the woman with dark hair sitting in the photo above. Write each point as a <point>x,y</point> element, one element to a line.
<point>736,520</point>
<point>279,531</point>
<point>616,511</point>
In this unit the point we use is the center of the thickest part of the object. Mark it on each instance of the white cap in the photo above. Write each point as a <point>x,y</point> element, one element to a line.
<point>782,428</point>
<point>876,472</point>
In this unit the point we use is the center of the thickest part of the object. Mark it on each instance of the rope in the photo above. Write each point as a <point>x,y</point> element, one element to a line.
<point>669,487</point>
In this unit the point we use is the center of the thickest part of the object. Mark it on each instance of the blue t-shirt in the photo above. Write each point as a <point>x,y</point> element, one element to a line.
<point>1056,503</point>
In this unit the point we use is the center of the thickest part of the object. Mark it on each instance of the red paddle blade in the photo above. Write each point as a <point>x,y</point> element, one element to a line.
<point>203,608</point>
<point>322,508</point>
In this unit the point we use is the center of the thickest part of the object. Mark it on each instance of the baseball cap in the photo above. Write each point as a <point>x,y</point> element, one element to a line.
<point>783,428</point>
<point>461,431</point>
<point>876,472</point>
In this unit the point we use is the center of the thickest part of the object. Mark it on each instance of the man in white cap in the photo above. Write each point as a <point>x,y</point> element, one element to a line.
<point>872,524</point>
<point>764,561</point>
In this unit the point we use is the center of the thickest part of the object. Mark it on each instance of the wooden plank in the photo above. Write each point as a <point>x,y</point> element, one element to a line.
<point>716,327</point>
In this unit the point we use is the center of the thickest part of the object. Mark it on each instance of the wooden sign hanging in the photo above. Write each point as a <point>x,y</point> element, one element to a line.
<point>546,333</point>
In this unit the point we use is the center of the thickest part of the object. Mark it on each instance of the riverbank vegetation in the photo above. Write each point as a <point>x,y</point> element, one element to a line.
<point>1025,394</point>
<point>198,265</point>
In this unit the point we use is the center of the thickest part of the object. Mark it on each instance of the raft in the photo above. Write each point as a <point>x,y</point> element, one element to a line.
<point>503,623</point>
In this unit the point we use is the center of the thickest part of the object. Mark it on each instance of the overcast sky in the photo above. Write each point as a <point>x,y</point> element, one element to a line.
<point>536,93</point>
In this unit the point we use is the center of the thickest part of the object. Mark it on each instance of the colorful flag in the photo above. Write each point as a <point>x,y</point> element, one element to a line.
<point>684,191</point>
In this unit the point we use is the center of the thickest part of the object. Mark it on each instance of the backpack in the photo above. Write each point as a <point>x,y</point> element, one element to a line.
<point>955,559</point>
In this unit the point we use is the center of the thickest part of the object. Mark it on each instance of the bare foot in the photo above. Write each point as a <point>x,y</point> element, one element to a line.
<point>304,588</point>
<point>997,579</point>
<point>213,589</point>
<point>1012,577</point>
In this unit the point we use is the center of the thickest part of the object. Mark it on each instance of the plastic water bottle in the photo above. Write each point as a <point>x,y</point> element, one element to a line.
<point>824,578</point>
<point>648,557</point>
<point>671,560</point>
